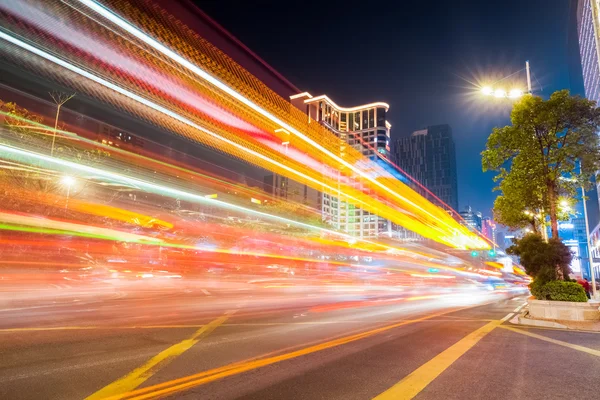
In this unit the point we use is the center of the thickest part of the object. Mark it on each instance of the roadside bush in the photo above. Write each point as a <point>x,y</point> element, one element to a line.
<point>558,291</point>
<point>537,289</point>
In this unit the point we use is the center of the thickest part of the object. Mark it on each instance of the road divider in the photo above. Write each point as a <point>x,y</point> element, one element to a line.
<point>187,382</point>
<point>135,378</point>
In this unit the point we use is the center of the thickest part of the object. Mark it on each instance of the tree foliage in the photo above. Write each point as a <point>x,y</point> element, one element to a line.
<point>543,261</point>
<point>547,141</point>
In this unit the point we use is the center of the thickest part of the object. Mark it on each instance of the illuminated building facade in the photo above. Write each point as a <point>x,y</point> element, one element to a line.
<point>364,128</point>
<point>488,228</point>
<point>290,190</point>
<point>588,29</point>
<point>472,219</point>
<point>429,156</point>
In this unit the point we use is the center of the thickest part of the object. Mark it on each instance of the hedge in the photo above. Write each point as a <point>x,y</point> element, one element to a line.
<point>558,291</point>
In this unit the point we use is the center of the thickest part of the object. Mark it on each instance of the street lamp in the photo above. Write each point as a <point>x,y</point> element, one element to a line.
<point>514,93</point>
<point>68,181</point>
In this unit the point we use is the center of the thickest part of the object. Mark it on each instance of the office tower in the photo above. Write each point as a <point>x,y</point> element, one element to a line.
<point>429,156</point>
<point>472,219</point>
<point>364,128</point>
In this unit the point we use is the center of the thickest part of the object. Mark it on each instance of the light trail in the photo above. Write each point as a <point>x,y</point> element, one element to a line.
<point>111,16</point>
<point>156,107</point>
<point>159,189</point>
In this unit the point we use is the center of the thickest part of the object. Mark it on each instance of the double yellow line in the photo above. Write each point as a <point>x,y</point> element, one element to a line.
<point>135,378</point>
<point>176,385</point>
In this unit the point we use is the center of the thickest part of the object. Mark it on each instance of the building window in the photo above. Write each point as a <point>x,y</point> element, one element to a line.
<point>365,119</point>
<point>381,117</point>
<point>372,118</point>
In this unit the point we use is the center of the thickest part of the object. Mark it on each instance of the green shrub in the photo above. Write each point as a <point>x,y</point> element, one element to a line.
<point>537,289</point>
<point>558,291</point>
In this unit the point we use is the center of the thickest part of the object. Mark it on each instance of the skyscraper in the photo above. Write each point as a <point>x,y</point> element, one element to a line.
<point>364,128</point>
<point>472,219</point>
<point>429,156</point>
<point>587,28</point>
<point>488,228</point>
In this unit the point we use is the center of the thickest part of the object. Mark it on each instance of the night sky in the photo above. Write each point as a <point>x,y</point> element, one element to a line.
<point>424,59</point>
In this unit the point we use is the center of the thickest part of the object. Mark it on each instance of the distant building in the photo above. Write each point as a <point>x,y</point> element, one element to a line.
<point>429,156</point>
<point>472,219</point>
<point>290,190</point>
<point>365,128</point>
<point>488,228</point>
<point>587,27</point>
<point>572,233</point>
<point>500,240</point>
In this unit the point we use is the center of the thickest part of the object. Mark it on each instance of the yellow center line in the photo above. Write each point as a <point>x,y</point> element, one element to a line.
<point>417,380</point>
<point>558,342</point>
<point>132,380</point>
<point>201,378</point>
<point>95,327</point>
<point>185,326</point>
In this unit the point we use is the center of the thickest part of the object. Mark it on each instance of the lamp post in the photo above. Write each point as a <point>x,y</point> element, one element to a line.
<point>511,94</point>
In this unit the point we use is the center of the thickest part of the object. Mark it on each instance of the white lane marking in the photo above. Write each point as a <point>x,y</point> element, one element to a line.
<point>520,307</point>
<point>206,292</point>
<point>511,314</point>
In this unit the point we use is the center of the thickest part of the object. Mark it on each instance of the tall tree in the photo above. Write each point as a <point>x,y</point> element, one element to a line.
<point>547,141</point>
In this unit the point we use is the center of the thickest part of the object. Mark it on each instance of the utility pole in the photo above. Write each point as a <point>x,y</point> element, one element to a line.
<point>59,98</point>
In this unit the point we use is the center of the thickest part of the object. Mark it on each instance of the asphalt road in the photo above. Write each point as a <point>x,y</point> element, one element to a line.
<point>199,343</point>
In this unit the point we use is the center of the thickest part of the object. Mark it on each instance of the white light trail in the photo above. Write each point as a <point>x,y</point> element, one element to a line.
<point>122,23</point>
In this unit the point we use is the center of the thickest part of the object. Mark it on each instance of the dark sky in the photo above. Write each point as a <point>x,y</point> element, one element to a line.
<point>424,58</point>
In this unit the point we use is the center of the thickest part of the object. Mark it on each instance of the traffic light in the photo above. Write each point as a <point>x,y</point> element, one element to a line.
<point>474,253</point>
<point>492,253</point>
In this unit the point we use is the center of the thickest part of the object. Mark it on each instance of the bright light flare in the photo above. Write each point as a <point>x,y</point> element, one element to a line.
<point>67,180</point>
<point>515,93</point>
<point>486,90</point>
<point>500,93</point>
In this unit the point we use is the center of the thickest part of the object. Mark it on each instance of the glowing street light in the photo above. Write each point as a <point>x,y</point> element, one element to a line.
<point>500,93</point>
<point>515,93</point>
<point>488,91</point>
<point>68,181</point>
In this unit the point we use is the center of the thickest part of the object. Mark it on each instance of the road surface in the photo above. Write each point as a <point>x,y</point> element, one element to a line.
<point>206,343</point>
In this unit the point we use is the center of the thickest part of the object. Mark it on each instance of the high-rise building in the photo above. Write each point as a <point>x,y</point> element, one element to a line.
<point>587,28</point>
<point>290,190</point>
<point>364,128</point>
<point>588,32</point>
<point>500,239</point>
<point>429,156</point>
<point>472,219</point>
<point>488,228</point>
